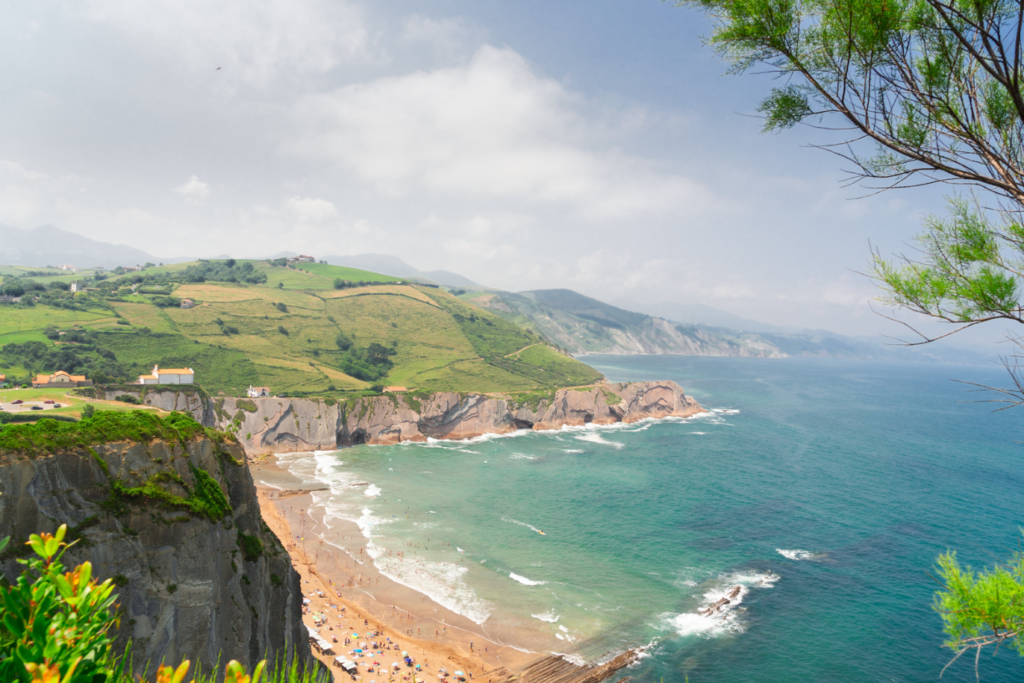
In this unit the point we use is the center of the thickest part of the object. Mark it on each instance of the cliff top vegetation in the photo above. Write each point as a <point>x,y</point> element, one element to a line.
<point>300,329</point>
<point>50,436</point>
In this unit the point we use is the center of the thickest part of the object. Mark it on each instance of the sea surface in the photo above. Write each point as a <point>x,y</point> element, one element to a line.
<point>823,489</point>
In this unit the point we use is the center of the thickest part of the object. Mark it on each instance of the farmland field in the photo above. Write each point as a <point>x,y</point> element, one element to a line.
<point>295,333</point>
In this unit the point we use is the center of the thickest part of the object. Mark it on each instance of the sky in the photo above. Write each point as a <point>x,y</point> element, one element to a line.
<point>598,146</point>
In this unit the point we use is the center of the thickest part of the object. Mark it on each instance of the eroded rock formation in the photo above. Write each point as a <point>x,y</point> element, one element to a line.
<point>273,425</point>
<point>200,578</point>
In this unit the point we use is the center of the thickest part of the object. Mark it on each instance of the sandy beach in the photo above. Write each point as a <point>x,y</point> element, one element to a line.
<point>432,635</point>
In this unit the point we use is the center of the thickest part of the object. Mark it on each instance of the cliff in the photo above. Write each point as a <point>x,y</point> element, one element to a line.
<point>273,425</point>
<point>176,523</point>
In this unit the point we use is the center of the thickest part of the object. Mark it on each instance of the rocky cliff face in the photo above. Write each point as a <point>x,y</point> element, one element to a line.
<point>199,574</point>
<point>273,425</point>
<point>169,397</point>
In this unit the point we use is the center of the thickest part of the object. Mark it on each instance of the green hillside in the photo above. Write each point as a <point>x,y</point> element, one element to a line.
<point>302,329</point>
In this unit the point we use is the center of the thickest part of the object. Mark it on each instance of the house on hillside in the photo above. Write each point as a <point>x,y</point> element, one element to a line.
<point>188,303</point>
<point>74,287</point>
<point>173,376</point>
<point>3,381</point>
<point>60,380</point>
<point>395,390</point>
<point>301,258</point>
<point>71,268</point>
<point>258,392</point>
<point>129,269</point>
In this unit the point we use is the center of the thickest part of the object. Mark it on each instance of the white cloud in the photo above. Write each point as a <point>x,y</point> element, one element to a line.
<point>311,210</point>
<point>253,42</point>
<point>194,190</point>
<point>490,129</point>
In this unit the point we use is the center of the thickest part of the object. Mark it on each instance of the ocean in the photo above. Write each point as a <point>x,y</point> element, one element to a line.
<point>816,495</point>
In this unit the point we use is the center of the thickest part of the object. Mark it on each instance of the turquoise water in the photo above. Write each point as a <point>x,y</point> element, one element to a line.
<point>823,490</point>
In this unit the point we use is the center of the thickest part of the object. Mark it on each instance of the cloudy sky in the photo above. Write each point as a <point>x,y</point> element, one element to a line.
<point>589,144</point>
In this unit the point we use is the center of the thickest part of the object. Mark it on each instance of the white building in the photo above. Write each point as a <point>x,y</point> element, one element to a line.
<point>74,287</point>
<point>258,392</point>
<point>172,376</point>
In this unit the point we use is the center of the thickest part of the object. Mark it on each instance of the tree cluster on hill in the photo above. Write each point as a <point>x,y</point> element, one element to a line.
<point>368,364</point>
<point>83,357</point>
<point>221,271</point>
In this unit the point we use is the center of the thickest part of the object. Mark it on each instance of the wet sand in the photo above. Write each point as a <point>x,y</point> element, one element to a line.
<point>434,636</point>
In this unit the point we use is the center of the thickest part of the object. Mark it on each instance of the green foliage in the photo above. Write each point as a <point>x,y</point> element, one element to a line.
<point>55,625</point>
<point>88,411</point>
<point>983,608</point>
<point>207,498</point>
<point>222,271</point>
<point>251,546</point>
<point>969,269</point>
<point>246,405</point>
<point>50,436</point>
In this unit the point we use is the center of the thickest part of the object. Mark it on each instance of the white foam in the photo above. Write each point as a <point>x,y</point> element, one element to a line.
<point>442,582</point>
<point>798,555</point>
<point>522,456</point>
<point>597,438</point>
<point>549,617</point>
<point>372,491</point>
<point>516,521</point>
<point>525,581</point>
<point>571,450</point>
<point>709,620</point>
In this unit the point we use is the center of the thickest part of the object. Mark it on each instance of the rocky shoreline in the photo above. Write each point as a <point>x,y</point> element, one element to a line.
<point>285,425</point>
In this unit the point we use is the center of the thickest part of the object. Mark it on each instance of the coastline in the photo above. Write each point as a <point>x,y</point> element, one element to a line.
<point>440,638</point>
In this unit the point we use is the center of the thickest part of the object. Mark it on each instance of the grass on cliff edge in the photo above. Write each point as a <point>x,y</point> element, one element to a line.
<point>50,436</point>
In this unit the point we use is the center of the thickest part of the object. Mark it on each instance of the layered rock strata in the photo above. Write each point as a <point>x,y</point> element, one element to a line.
<point>199,574</point>
<point>273,425</point>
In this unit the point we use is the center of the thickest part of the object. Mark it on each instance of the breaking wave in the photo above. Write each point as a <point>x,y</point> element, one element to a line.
<point>525,581</point>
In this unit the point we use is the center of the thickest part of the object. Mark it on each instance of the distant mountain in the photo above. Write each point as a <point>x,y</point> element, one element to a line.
<point>49,245</point>
<point>580,324</point>
<point>701,314</point>
<point>392,265</point>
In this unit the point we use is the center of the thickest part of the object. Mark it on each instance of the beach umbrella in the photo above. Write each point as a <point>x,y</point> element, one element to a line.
<point>358,650</point>
<point>404,653</point>
<point>459,673</point>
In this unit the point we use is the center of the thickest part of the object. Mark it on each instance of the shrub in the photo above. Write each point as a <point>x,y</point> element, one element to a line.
<point>281,307</point>
<point>128,398</point>
<point>88,411</point>
<point>56,625</point>
<point>252,546</point>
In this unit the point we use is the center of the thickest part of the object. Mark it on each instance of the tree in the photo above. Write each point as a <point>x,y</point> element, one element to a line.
<point>933,90</point>
<point>936,87</point>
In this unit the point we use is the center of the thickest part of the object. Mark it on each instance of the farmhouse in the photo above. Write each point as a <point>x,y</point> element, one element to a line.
<point>301,258</point>
<point>173,376</point>
<point>3,381</point>
<point>258,392</point>
<point>188,303</point>
<point>59,380</point>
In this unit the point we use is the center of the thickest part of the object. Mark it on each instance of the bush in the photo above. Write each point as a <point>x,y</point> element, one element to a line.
<point>280,328</point>
<point>56,625</point>
<point>128,398</point>
<point>281,307</point>
<point>87,411</point>
<point>252,546</point>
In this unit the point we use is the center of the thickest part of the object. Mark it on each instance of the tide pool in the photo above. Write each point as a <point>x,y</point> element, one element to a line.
<point>815,498</point>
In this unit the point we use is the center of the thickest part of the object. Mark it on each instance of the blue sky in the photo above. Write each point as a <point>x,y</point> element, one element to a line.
<point>592,145</point>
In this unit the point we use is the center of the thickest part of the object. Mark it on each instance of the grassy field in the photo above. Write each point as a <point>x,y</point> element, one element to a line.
<point>288,334</point>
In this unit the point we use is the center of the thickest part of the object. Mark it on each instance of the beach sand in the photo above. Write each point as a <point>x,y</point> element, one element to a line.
<point>434,636</point>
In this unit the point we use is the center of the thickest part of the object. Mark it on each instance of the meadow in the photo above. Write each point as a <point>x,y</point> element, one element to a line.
<point>294,332</point>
